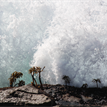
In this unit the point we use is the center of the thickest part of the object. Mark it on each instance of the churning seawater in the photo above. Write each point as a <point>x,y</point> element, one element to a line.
<point>68,37</point>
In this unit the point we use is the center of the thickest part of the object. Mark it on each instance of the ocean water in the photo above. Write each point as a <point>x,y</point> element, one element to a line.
<point>68,37</point>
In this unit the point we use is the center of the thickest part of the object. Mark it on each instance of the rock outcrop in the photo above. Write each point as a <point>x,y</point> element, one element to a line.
<point>24,95</point>
<point>52,95</point>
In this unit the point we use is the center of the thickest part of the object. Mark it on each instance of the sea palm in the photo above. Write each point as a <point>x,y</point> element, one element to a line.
<point>32,71</point>
<point>84,85</point>
<point>14,76</point>
<point>21,83</point>
<point>36,70</point>
<point>66,79</point>
<point>96,80</point>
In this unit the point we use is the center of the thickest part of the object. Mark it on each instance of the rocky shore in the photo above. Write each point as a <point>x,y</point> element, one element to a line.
<point>53,95</point>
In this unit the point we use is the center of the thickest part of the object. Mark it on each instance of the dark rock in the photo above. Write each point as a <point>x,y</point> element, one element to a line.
<point>48,91</point>
<point>101,102</point>
<point>25,95</point>
<point>85,99</point>
<point>66,103</point>
<point>31,96</point>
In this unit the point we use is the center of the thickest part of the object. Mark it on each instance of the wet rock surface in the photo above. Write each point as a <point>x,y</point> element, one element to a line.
<point>53,95</point>
<point>73,96</point>
<point>26,95</point>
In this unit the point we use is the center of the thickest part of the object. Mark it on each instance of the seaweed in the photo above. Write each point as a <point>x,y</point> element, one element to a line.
<point>96,80</point>
<point>84,85</point>
<point>66,79</point>
<point>36,70</point>
<point>13,78</point>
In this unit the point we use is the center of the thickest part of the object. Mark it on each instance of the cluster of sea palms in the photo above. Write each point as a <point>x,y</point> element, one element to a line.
<point>67,80</point>
<point>94,80</point>
<point>36,70</point>
<point>32,71</point>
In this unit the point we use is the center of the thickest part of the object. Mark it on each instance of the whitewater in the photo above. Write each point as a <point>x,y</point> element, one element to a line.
<point>68,37</point>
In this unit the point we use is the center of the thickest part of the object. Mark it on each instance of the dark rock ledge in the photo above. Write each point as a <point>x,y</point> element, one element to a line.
<point>26,95</point>
<point>53,95</point>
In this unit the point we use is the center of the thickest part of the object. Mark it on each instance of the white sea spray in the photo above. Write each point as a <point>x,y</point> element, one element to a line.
<point>68,37</point>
